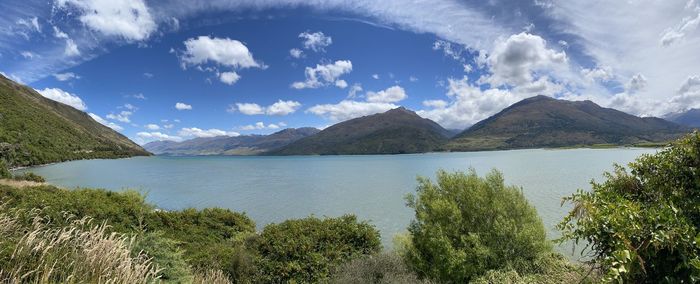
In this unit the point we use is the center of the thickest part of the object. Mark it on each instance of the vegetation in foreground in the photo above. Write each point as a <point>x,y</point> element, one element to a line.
<point>641,225</point>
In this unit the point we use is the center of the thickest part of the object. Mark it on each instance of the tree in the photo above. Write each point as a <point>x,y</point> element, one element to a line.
<point>466,225</point>
<point>642,225</point>
<point>4,172</point>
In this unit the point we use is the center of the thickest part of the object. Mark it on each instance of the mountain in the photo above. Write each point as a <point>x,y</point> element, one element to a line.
<point>396,131</point>
<point>36,130</point>
<point>225,145</point>
<point>690,118</point>
<point>547,122</point>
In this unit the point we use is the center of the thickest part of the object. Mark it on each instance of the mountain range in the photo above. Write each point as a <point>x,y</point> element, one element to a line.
<point>36,130</point>
<point>543,121</point>
<point>225,145</point>
<point>690,118</point>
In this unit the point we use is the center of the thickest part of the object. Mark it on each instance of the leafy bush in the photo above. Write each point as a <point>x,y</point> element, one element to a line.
<point>166,255</point>
<point>30,177</point>
<point>4,172</point>
<point>307,250</point>
<point>383,268</point>
<point>466,225</point>
<point>642,225</point>
<point>552,269</point>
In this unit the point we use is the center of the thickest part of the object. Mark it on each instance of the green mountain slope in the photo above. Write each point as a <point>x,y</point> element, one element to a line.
<point>35,130</point>
<point>396,131</point>
<point>224,145</point>
<point>547,122</point>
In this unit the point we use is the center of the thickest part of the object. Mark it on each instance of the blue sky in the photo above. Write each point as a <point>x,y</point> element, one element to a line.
<point>176,70</point>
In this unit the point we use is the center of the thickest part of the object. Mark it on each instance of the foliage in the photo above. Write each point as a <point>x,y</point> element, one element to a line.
<point>80,251</point>
<point>164,253</point>
<point>29,177</point>
<point>466,225</point>
<point>307,250</point>
<point>4,172</point>
<point>642,224</point>
<point>553,269</point>
<point>383,268</point>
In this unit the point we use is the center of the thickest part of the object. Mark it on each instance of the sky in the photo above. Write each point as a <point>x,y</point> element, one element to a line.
<point>180,69</point>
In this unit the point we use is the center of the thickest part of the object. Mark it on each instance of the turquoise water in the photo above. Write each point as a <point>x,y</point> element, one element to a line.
<point>272,189</point>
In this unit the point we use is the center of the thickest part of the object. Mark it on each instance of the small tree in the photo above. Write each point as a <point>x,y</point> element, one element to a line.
<point>466,225</point>
<point>4,172</point>
<point>642,225</point>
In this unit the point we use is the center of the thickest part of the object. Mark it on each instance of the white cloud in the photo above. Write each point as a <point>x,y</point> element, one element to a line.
<point>449,49</point>
<point>168,126</point>
<point>148,75</point>
<point>279,108</point>
<point>687,25</point>
<point>105,122</point>
<point>222,51</point>
<point>513,61</point>
<point>282,108</point>
<point>127,19</point>
<point>413,79</point>
<point>600,73</point>
<point>354,89</point>
<point>261,125</point>
<point>28,54</point>
<point>196,132</point>
<point>375,76</point>
<point>158,136</point>
<point>71,48</point>
<point>468,104</point>
<point>435,103</point>
<point>122,116</point>
<point>347,109</point>
<point>637,83</point>
<point>341,84</point>
<point>152,126</point>
<point>296,53</point>
<point>229,78</point>
<point>66,76</point>
<point>139,96</point>
<point>315,41</point>
<point>390,95</point>
<point>31,23</point>
<point>64,97</point>
<point>322,75</point>
<point>183,106</point>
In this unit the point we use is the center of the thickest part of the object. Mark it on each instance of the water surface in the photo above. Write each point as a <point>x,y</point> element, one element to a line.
<point>272,189</point>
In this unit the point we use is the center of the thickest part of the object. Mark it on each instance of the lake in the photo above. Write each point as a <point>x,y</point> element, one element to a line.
<point>272,189</point>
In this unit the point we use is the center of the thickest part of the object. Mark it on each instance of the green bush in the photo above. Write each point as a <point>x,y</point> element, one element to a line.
<point>466,225</point>
<point>383,268</point>
<point>4,172</point>
<point>307,250</point>
<point>30,177</point>
<point>642,225</point>
<point>166,255</point>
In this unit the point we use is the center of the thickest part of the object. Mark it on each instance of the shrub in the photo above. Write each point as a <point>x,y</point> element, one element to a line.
<point>166,255</point>
<point>79,251</point>
<point>466,225</point>
<point>383,268</point>
<point>642,225</point>
<point>306,250</point>
<point>30,177</point>
<point>4,172</point>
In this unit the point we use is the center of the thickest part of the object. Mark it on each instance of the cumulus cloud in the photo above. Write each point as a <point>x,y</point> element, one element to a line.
<point>152,126</point>
<point>637,83</point>
<point>323,75</point>
<point>158,136</point>
<point>687,25</point>
<point>71,48</point>
<point>127,19</point>
<point>513,61</point>
<point>279,108</point>
<point>229,78</point>
<point>66,76</point>
<point>296,53</point>
<point>64,97</point>
<point>315,41</point>
<point>348,109</point>
<point>197,132</point>
<point>183,106</point>
<point>261,125</point>
<point>468,104</point>
<point>123,116</point>
<point>390,95</point>
<point>105,122</point>
<point>599,73</point>
<point>687,96</point>
<point>222,51</point>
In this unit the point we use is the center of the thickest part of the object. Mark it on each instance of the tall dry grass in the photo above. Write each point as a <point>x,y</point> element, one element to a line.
<point>77,253</point>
